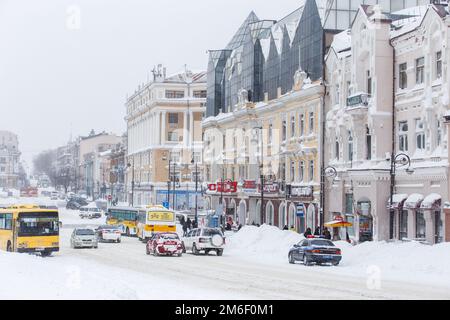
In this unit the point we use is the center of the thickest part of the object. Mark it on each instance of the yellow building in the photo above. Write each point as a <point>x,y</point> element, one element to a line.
<point>291,162</point>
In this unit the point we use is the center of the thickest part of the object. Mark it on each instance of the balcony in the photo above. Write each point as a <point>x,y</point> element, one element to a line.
<point>359,100</point>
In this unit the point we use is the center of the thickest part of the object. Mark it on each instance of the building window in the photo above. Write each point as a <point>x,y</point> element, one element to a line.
<point>368,144</point>
<point>284,130</point>
<point>369,83</point>
<point>197,157</point>
<point>420,135</point>
<point>302,125</point>
<point>174,94</point>
<point>439,65</point>
<point>337,149</point>
<point>270,133</point>
<point>311,122</point>
<point>200,94</point>
<point>403,136</point>
<point>292,126</point>
<point>173,118</point>
<point>403,76</point>
<point>283,172</point>
<point>173,136</point>
<point>301,172</point>
<point>420,73</point>
<point>292,177</point>
<point>420,225</point>
<point>350,147</point>
<point>438,133</point>
<point>311,170</point>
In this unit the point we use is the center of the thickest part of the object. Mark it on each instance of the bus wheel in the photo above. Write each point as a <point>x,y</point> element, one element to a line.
<point>46,254</point>
<point>9,247</point>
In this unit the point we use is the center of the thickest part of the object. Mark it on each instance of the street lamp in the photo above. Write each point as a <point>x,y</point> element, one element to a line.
<point>196,188</point>
<point>261,169</point>
<point>399,161</point>
<point>331,173</point>
<point>129,165</point>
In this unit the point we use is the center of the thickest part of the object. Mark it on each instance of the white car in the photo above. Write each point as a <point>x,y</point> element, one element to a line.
<point>90,213</point>
<point>204,239</point>
<point>83,238</point>
<point>109,233</point>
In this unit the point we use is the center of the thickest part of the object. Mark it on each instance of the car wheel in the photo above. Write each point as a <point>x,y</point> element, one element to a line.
<point>155,252</point>
<point>291,259</point>
<point>305,260</point>
<point>147,250</point>
<point>119,240</point>
<point>335,264</point>
<point>180,255</point>
<point>195,250</point>
<point>219,253</point>
<point>207,252</point>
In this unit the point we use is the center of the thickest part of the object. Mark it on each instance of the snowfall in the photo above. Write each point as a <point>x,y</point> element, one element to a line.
<point>254,266</point>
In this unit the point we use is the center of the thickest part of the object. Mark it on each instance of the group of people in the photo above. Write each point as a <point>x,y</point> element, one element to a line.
<point>326,234</point>
<point>187,225</point>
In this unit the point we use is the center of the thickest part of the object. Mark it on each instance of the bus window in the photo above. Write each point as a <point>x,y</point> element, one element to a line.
<point>6,221</point>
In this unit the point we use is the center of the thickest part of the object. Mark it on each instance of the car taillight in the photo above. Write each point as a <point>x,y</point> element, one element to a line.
<point>316,251</point>
<point>338,251</point>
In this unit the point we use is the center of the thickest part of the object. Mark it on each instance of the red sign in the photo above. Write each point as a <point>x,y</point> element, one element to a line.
<point>225,187</point>
<point>249,184</point>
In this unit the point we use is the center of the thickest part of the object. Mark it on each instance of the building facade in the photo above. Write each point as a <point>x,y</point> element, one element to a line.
<point>9,161</point>
<point>165,139</point>
<point>386,137</point>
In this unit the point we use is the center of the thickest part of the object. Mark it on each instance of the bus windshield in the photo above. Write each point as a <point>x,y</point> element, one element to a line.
<point>122,215</point>
<point>38,226</point>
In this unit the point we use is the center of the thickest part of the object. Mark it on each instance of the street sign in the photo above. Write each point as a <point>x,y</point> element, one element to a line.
<point>166,204</point>
<point>300,210</point>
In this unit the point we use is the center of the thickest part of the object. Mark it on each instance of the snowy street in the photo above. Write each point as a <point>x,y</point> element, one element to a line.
<point>254,266</point>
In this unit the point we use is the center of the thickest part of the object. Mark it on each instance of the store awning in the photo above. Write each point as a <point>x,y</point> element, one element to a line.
<point>432,201</point>
<point>398,201</point>
<point>338,224</point>
<point>414,201</point>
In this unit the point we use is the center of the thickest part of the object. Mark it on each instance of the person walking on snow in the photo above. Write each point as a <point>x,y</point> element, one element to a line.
<point>317,232</point>
<point>307,233</point>
<point>189,224</point>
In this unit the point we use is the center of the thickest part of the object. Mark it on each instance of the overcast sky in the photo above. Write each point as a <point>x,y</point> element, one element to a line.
<point>67,66</point>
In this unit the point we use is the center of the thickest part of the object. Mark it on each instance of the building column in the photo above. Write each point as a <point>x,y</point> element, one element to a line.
<point>163,136</point>
<point>192,129</point>
<point>429,226</point>
<point>185,129</point>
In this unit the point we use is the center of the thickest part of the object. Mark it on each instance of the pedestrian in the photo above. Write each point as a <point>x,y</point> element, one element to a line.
<point>348,237</point>
<point>317,232</point>
<point>327,234</point>
<point>307,233</point>
<point>189,223</point>
<point>185,228</point>
<point>286,228</point>
<point>254,224</point>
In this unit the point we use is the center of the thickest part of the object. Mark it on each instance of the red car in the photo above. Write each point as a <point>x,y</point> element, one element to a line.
<point>165,244</point>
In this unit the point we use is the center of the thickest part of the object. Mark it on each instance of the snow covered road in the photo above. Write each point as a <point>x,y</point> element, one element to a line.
<point>124,271</point>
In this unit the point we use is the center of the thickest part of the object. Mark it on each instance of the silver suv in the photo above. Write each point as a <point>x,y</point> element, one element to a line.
<point>204,239</point>
<point>83,238</point>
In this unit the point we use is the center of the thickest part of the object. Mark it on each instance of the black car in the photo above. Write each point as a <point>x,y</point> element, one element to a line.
<point>315,250</point>
<point>73,205</point>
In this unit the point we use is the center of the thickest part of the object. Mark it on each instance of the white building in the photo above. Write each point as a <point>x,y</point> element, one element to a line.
<point>9,160</point>
<point>164,127</point>
<point>388,92</point>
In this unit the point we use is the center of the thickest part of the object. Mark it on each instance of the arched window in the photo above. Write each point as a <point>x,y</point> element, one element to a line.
<point>350,146</point>
<point>269,214</point>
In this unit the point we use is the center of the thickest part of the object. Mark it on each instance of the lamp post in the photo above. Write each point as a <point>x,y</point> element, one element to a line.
<point>398,161</point>
<point>261,170</point>
<point>331,173</point>
<point>129,165</point>
<point>196,189</point>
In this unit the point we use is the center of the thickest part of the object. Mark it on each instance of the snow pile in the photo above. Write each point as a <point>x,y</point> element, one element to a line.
<point>266,243</point>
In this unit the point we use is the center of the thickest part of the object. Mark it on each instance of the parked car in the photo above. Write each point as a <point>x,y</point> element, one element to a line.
<point>204,239</point>
<point>315,250</point>
<point>90,213</point>
<point>73,205</point>
<point>165,244</point>
<point>109,233</point>
<point>83,238</point>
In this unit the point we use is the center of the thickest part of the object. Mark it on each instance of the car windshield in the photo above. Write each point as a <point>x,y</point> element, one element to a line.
<point>211,232</point>
<point>169,236</point>
<point>93,209</point>
<point>85,232</point>
<point>322,243</point>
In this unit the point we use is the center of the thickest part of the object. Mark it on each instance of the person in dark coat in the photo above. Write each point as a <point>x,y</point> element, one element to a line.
<point>185,228</point>
<point>327,234</point>
<point>285,227</point>
<point>317,232</point>
<point>189,223</point>
<point>307,233</point>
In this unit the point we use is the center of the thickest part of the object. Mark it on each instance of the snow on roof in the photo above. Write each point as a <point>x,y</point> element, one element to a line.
<point>413,200</point>
<point>397,198</point>
<point>413,17</point>
<point>430,200</point>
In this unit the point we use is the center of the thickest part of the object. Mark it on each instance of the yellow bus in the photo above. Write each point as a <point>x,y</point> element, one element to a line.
<point>124,218</point>
<point>155,219</point>
<point>29,229</point>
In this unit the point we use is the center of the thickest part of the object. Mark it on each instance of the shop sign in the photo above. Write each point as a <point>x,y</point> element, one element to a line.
<point>249,186</point>
<point>302,192</point>
<point>223,187</point>
<point>270,188</point>
<point>301,210</point>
